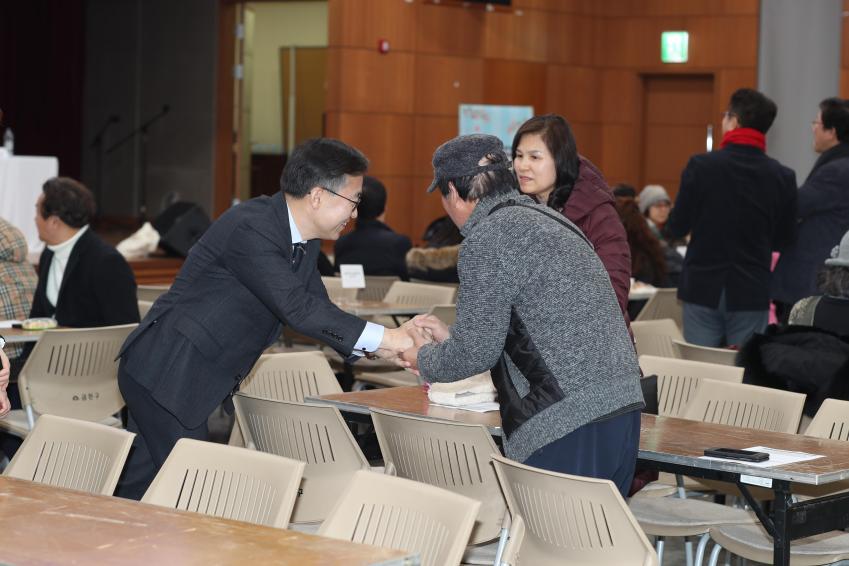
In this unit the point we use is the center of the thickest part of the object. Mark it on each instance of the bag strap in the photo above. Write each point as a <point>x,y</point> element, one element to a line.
<point>568,225</point>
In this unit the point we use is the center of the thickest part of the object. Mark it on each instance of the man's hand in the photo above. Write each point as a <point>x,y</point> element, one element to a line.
<point>5,372</point>
<point>395,341</point>
<point>435,327</point>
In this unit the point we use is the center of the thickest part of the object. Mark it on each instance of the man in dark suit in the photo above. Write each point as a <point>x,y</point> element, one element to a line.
<point>373,244</point>
<point>738,205</point>
<point>251,272</point>
<point>82,281</point>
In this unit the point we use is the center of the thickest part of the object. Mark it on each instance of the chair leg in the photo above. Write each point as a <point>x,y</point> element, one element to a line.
<point>714,555</point>
<point>659,547</point>
<point>688,550</point>
<point>700,549</point>
<point>502,542</point>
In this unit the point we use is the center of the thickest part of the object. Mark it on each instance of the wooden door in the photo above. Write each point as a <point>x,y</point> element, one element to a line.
<point>677,110</point>
<point>306,67</point>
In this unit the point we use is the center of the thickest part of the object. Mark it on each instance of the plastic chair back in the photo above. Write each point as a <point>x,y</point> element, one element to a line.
<point>747,406</point>
<point>404,293</point>
<point>71,453</point>
<point>450,455</point>
<point>336,291</point>
<point>445,313</point>
<point>654,337</point>
<point>563,519</point>
<point>722,356</point>
<point>291,377</point>
<point>151,292</point>
<point>227,481</point>
<point>677,380</point>
<point>663,304</point>
<point>313,434</point>
<point>144,308</point>
<point>393,512</point>
<point>831,420</point>
<point>73,373</point>
<point>376,287</point>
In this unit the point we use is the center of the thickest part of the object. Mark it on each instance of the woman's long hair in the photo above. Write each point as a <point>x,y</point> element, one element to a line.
<point>645,248</point>
<point>557,135</point>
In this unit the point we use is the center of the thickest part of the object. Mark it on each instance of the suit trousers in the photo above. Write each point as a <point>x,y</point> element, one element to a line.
<point>157,431</point>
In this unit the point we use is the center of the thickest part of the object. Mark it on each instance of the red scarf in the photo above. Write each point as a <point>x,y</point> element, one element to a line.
<point>744,136</point>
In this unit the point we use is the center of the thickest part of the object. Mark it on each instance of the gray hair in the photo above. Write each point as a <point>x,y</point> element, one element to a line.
<point>476,187</point>
<point>833,281</point>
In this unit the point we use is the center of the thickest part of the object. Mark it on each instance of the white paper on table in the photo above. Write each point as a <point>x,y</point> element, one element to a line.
<point>681,250</point>
<point>776,457</point>
<point>8,323</point>
<point>474,407</point>
<point>352,275</point>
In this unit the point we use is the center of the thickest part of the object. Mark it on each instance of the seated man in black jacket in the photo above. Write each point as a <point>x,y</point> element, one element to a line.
<point>372,243</point>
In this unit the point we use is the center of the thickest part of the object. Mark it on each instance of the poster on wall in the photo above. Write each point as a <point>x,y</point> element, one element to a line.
<point>501,121</point>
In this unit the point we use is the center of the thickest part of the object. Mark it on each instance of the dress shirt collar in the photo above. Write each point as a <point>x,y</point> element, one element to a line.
<point>293,229</point>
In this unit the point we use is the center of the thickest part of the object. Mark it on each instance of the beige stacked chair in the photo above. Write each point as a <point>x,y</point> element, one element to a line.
<point>677,380</point>
<point>452,456</point>
<point>721,356</point>
<point>376,287</point>
<point>445,313</point>
<point>335,290</point>
<point>728,403</point>
<point>151,292</point>
<point>71,373</point>
<point>287,377</point>
<point>71,453</point>
<point>563,519</point>
<point>654,337</point>
<point>419,294</point>
<point>227,481</point>
<point>663,304</point>
<point>753,543</point>
<point>144,308</point>
<point>313,434</point>
<point>393,512</point>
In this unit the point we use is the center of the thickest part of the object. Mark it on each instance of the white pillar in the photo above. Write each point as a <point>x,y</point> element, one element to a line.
<point>798,66</point>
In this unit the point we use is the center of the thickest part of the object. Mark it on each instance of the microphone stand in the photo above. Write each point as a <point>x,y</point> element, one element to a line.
<point>143,132</point>
<point>97,143</point>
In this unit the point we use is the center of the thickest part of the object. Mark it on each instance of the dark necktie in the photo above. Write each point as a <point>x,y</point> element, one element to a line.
<point>298,251</point>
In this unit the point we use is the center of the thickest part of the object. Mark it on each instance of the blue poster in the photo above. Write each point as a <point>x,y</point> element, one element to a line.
<point>501,121</point>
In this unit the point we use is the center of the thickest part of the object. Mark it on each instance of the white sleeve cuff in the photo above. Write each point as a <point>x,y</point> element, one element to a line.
<point>370,339</point>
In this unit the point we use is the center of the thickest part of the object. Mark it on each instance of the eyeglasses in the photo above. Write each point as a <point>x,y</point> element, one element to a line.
<point>728,114</point>
<point>356,203</point>
<point>815,122</point>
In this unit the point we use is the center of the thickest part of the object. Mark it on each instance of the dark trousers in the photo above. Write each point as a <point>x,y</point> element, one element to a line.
<point>157,431</point>
<point>605,449</point>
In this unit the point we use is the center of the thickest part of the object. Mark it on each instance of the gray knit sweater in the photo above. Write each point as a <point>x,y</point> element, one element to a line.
<point>521,258</point>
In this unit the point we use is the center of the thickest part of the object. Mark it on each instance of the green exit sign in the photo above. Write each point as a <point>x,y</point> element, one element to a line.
<point>674,46</point>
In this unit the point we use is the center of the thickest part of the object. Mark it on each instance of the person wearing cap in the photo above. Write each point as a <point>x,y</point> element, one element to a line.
<point>823,213</point>
<point>536,307</point>
<point>253,271</point>
<point>738,205</point>
<point>655,205</point>
<point>830,310</point>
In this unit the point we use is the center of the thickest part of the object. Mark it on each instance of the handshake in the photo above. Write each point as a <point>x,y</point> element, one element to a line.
<point>401,345</point>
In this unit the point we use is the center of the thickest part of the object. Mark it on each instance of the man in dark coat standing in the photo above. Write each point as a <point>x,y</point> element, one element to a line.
<point>738,205</point>
<point>373,244</point>
<point>823,209</point>
<point>252,271</point>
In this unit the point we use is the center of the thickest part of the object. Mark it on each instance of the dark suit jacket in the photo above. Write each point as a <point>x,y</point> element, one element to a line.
<point>374,245</point>
<point>739,205</point>
<point>98,287</point>
<point>226,306</point>
<point>823,219</point>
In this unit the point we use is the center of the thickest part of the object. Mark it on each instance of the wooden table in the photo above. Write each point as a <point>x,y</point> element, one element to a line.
<point>156,269</point>
<point>47,525</point>
<point>676,446</point>
<point>17,335</point>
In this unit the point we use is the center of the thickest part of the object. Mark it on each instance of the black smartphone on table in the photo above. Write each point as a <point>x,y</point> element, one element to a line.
<point>737,454</point>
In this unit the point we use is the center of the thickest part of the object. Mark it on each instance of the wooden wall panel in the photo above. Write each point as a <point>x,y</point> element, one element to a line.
<point>573,93</point>
<point>571,38</point>
<point>367,81</point>
<point>399,202</point>
<point>450,30</point>
<point>517,37</point>
<point>588,137</point>
<point>620,96</point>
<point>363,22</point>
<point>430,133</point>
<point>427,207</point>
<point>386,139</point>
<point>514,82</point>
<point>726,81</point>
<point>722,41</point>
<point>442,83</point>
<point>620,153</point>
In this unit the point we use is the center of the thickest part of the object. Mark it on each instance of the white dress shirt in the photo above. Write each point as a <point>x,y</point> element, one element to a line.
<point>61,254</point>
<point>372,335</point>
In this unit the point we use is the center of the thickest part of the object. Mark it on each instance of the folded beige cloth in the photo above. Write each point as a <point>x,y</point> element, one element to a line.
<point>475,389</point>
<point>141,243</point>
